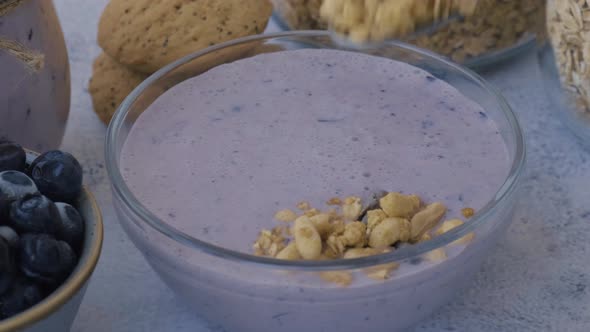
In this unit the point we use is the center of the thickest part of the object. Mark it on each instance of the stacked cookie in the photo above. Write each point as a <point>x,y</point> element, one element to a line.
<point>141,36</point>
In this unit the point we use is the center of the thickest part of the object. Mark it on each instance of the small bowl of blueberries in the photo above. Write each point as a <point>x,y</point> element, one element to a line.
<point>51,236</point>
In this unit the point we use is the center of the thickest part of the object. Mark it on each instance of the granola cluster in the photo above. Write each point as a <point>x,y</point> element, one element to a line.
<point>348,229</point>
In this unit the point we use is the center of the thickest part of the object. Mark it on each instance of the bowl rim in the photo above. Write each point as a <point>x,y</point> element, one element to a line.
<point>71,286</point>
<point>122,191</point>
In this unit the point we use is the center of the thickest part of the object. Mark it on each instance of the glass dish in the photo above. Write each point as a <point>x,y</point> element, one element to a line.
<point>563,65</point>
<point>243,292</point>
<point>510,27</point>
<point>34,104</point>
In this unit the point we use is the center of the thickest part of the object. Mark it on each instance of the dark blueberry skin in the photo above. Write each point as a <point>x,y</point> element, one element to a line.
<point>45,259</point>
<point>7,266</point>
<point>70,225</point>
<point>34,214</point>
<point>13,185</point>
<point>12,156</point>
<point>23,295</point>
<point>10,236</point>
<point>58,175</point>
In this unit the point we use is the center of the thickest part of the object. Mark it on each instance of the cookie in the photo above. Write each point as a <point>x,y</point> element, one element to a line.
<point>148,34</point>
<point>111,82</point>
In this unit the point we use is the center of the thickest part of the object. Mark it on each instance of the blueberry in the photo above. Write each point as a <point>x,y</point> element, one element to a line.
<point>7,267</point>
<point>9,235</point>
<point>45,259</point>
<point>21,297</point>
<point>12,156</point>
<point>58,175</point>
<point>70,226</point>
<point>34,214</point>
<point>13,185</point>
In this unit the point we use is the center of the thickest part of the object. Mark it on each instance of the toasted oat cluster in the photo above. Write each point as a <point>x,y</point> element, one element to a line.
<point>348,229</point>
<point>568,23</point>
<point>378,20</point>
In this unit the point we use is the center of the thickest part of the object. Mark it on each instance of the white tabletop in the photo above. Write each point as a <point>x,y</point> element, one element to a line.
<point>536,280</point>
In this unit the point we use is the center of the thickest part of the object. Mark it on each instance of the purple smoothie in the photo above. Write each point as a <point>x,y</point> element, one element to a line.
<point>217,155</point>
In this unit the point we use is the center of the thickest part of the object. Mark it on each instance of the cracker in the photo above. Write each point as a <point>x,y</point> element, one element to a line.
<point>149,34</point>
<point>111,82</point>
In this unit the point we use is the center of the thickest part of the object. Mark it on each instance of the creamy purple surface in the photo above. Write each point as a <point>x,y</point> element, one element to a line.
<point>219,154</point>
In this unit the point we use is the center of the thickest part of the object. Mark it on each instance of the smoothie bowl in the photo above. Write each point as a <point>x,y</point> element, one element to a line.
<point>270,132</point>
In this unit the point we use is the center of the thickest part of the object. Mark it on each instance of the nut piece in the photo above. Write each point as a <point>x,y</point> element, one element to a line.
<point>355,234</point>
<point>269,243</point>
<point>341,278</point>
<point>360,252</point>
<point>289,252</point>
<point>426,219</point>
<point>450,224</point>
<point>381,272</point>
<point>436,255</point>
<point>285,215</point>
<point>336,244</point>
<point>352,208</point>
<point>398,205</point>
<point>425,237</point>
<point>307,238</point>
<point>311,212</point>
<point>303,206</point>
<point>321,222</point>
<point>467,212</point>
<point>388,232</point>
<point>334,201</point>
<point>374,217</point>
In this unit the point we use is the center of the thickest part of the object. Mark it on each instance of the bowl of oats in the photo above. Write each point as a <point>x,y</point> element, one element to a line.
<point>495,31</point>
<point>563,64</point>
<point>291,187</point>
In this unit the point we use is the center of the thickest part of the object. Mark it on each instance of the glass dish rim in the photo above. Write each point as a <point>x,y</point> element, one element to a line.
<point>132,203</point>
<point>478,63</point>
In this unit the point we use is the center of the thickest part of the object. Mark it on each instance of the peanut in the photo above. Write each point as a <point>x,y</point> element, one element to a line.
<point>374,217</point>
<point>289,252</point>
<point>360,252</point>
<point>450,224</point>
<point>387,232</point>
<point>341,278</point>
<point>307,238</point>
<point>436,255</point>
<point>400,206</point>
<point>426,219</point>
<point>381,272</point>
<point>321,222</point>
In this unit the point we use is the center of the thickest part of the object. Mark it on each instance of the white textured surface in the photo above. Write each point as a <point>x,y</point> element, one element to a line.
<point>537,279</point>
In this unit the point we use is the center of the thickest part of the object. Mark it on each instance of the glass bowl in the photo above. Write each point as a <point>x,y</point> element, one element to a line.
<point>243,292</point>
<point>509,27</point>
